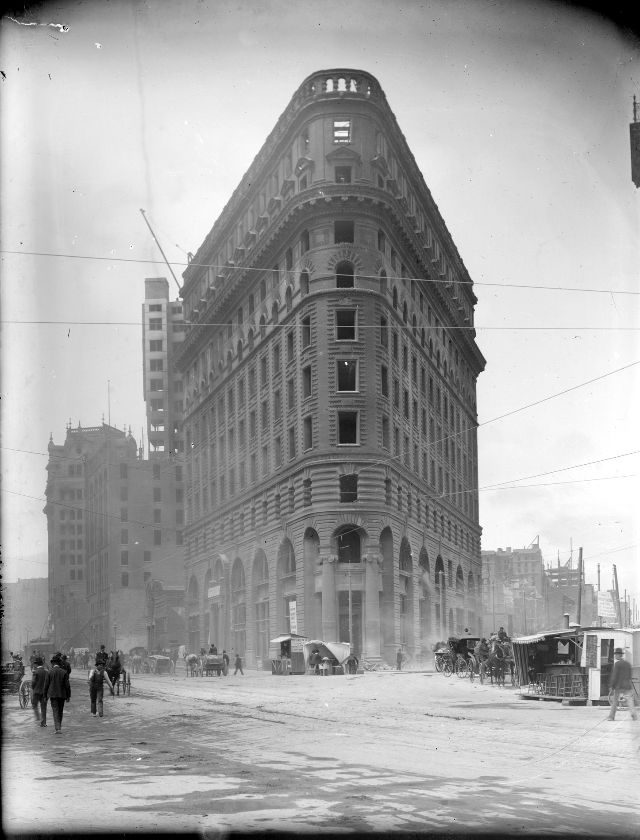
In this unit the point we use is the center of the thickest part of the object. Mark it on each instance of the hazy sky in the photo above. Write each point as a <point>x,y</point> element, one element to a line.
<point>517,114</point>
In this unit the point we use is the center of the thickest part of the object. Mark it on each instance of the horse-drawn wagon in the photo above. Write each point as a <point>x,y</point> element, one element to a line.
<point>157,663</point>
<point>455,656</point>
<point>14,682</point>
<point>213,663</point>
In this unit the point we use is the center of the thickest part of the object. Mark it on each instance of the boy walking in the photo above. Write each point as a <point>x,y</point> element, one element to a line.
<point>238,664</point>
<point>97,678</point>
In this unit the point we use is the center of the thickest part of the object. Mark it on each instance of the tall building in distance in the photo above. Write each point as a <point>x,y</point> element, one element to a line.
<point>330,371</point>
<point>115,524</point>
<point>162,334</point>
<point>515,590</point>
<point>634,137</point>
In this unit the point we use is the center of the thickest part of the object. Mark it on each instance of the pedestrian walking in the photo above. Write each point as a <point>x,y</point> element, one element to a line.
<point>620,685</point>
<point>399,658</point>
<point>58,690</point>
<point>97,678</point>
<point>39,685</point>
<point>225,661</point>
<point>66,664</point>
<point>238,665</point>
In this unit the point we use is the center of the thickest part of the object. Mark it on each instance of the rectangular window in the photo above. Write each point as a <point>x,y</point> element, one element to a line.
<point>343,174</point>
<point>157,515</point>
<point>277,404</point>
<point>252,382</point>
<point>155,307</point>
<point>347,375</point>
<point>292,442</point>
<point>124,558</point>
<point>384,380</point>
<point>157,537</point>
<point>155,346</point>
<point>155,323</point>
<point>290,346</point>
<point>347,427</point>
<point>345,325</point>
<point>291,394</point>
<point>253,429</point>
<point>264,415</point>
<point>264,371</point>
<point>306,382</point>
<point>123,471</point>
<point>265,460</point>
<point>156,365</point>
<point>343,231</point>
<point>158,405</point>
<point>349,488</point>
<point>124,536</point>
<point>278,451</point>
<point>342,131</point>
<point>124,515</point>
<point>384,333</point>
<point>385,432</point>
<point>124,579</point>
<point>155,384</point>
<point>306,331</point>
<point>157,494</point>
<point>308,432</point>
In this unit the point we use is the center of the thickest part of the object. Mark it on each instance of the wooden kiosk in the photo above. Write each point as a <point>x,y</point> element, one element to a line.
<point>286,653</point>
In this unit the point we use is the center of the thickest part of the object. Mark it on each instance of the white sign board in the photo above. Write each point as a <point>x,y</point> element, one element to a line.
<point>293,617</point>
<point>213,591</point>
<point>606,608</point>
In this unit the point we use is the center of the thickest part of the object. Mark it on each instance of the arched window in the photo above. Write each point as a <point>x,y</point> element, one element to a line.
<point>274,313</point>
<point>288,297</point>
<point>348,545</point>
<point>250,340</point>
<point>383,282</point>
<point>239,351</point>
<point>263,327</point>
<point>344,275</point>
<point>304,241</point>
<point>395,298</point>
<point>304,283</point>
<point>405,312</point>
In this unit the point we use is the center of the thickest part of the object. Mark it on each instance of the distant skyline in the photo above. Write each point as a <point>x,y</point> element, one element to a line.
<point>518,116</point>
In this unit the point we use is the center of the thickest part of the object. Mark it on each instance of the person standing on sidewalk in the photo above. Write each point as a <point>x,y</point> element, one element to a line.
<point>58,690</point>
<point>39,685</point>
<point>97,678</point>
<point>399,658</point>
<point>238,665</point>
<point>620,685</point>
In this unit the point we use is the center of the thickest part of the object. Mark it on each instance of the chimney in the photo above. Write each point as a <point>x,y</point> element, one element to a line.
<point>566,621</point>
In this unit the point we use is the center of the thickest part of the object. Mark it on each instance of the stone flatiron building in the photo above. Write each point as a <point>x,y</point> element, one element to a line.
<point>329,372</point>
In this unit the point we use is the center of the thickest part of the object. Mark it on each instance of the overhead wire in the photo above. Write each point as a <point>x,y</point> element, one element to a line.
<point>398,278</point>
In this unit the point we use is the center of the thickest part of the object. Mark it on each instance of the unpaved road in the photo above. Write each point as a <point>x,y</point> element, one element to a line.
<point>381,751</point>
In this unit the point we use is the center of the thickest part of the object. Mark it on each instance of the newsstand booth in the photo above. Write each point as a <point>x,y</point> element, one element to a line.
<point>333,656</point>
<point>574,663</point>
<point>286,653</point>
<point>549,664</point>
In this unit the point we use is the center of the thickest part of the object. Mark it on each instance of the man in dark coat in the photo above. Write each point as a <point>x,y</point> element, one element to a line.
<point>58,690</point>
<point>102,656</point>
<point>39,685</point>
<point>620,685</point>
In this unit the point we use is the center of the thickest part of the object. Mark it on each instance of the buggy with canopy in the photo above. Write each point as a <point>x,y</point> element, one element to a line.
<point>329,658</point>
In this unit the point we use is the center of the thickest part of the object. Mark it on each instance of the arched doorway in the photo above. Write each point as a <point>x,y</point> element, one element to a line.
<point>386,608</point>
<point>193,615</point>
<point>440,598</point>
<point>349,585</point>
<point>238,608</point>
<point>426,594</point>
<point>260,580</point>
<point>286,588</point>
<point>312,600</point>
<point>405,592</point>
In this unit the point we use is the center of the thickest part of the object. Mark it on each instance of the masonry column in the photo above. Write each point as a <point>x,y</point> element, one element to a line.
<point>373,564</point>
<point>329,618</point>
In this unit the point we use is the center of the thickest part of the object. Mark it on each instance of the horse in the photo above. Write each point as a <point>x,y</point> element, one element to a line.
<point>114,668</point>
<point>136,663</point>
<point>496,663</point>
<point>192,663</point>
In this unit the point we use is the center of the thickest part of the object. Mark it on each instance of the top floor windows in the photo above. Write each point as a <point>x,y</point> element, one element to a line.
<point>342,131</point>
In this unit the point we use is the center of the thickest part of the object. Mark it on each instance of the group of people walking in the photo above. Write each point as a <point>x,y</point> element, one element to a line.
<point>52,685</point>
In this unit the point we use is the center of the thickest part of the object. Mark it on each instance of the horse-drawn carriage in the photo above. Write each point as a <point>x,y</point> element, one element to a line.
<point>455,656</point>
<point>213,663</point>
<point>157,663</point>
<point>14,682</point>
<point>119,676</point>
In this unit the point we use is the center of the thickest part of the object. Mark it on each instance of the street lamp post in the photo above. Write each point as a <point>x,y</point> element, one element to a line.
<point>115,639</point>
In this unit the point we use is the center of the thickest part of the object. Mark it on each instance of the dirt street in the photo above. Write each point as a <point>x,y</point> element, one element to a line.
<point>381,751</point>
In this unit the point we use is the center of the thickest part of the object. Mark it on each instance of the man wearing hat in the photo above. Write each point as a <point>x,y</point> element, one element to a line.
<point>620,685</point>
<point>58,689</point>
<point>39,686</point>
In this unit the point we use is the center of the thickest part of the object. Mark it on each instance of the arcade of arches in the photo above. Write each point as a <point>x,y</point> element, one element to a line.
<point>378,594</point>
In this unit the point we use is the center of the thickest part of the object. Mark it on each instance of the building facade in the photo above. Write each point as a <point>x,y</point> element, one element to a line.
<point>514,590</point>
<point>330,371</point>
<point>25,613</point>
<point>162,333</point>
